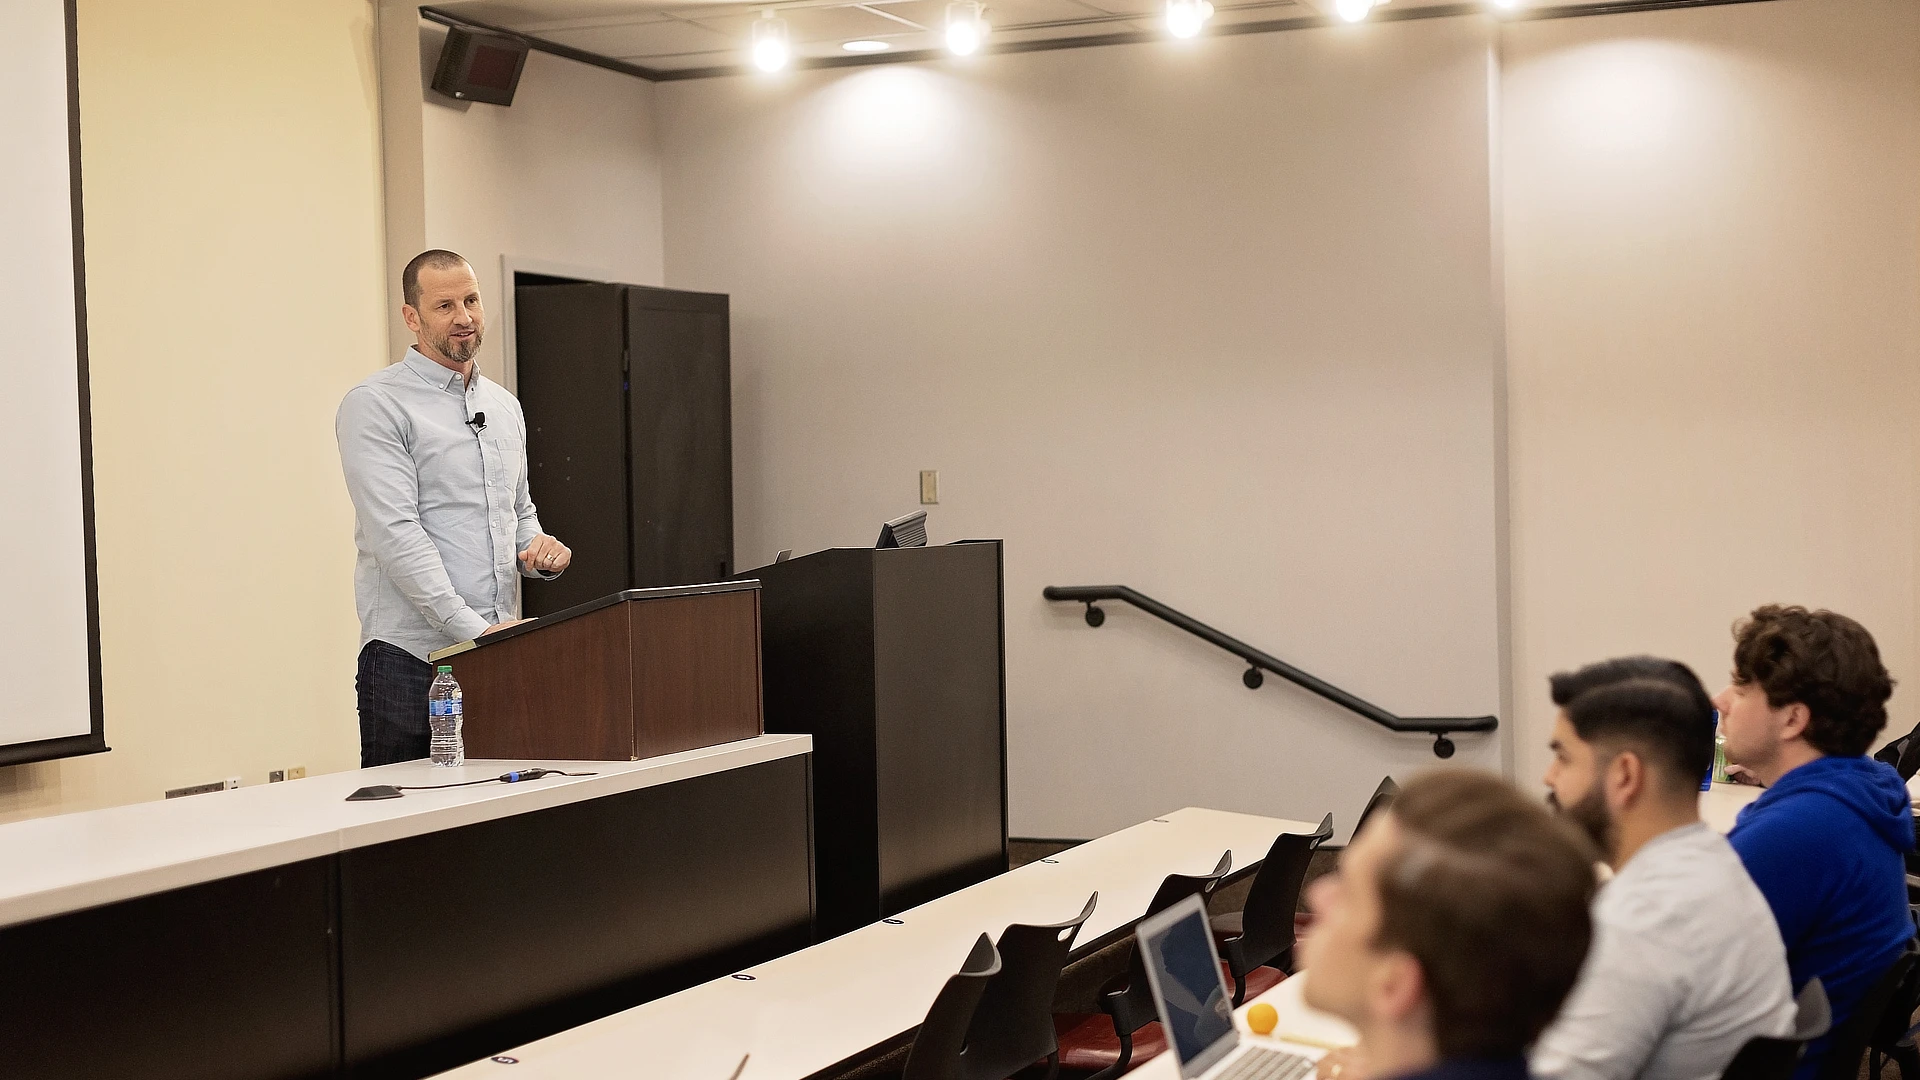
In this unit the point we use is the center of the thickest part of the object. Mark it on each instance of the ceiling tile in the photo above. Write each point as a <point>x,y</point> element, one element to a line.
<point>810,25</point>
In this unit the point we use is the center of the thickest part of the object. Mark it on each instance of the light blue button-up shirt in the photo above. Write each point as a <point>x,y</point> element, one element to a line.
<point>441,510</point>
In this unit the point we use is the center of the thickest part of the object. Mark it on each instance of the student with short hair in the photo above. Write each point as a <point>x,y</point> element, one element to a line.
<point>1452,929</point>
<point>1686,963</point>
<point>1826,841</point>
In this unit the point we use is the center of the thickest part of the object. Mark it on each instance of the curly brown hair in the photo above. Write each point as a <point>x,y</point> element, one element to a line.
<point>1822,660</point>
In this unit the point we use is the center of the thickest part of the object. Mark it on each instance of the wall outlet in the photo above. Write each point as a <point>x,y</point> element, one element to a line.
<point>296,772</point>
<point>274,776</point>
<point>929,487</point>
<point>232,782</point>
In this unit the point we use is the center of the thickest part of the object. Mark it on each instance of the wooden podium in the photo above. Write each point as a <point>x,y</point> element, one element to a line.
<point>633,675</point>
<point>894,660</point>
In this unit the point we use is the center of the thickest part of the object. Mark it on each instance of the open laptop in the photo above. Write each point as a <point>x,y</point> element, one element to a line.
<point>1196,1008</point>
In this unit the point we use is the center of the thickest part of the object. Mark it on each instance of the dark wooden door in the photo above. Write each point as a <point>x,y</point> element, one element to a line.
<point>571,341</point>
<point>680,417</point>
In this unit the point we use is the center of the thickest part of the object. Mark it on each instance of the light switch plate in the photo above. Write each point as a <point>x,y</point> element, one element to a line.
<point>929,487</point>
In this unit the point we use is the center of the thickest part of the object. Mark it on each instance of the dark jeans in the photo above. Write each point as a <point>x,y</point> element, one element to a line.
<point>392,688</point>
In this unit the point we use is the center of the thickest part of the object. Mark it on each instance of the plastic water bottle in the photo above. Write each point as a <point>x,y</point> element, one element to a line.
<point>1719,752</point>
<point>444,716</point>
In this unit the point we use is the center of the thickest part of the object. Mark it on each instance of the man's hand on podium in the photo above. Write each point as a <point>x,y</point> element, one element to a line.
<point>545,555</point>
<point>502,626</point>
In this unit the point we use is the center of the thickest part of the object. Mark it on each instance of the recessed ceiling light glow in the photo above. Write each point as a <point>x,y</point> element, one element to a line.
<point>1353,10</point>
<point>865,46</point>
<point>770,50</point>
<point>966,26</point>
<point>1505,5</point>
<point>1186,17</point>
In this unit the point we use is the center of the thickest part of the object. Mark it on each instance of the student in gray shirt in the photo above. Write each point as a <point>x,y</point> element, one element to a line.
<point>1687,963</point>
<point>436,463</point>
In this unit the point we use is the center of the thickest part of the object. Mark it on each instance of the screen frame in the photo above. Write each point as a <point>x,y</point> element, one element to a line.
<point>1149,934</point>
<point>93,741</point>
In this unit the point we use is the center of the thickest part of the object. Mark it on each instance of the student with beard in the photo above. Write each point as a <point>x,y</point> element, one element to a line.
<point>436,464</point>
<point>1686,963</point>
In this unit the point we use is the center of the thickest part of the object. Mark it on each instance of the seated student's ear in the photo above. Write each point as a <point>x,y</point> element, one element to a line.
<point>1625,778</point>
<point>1794,724</point>
<point>1399,988</point>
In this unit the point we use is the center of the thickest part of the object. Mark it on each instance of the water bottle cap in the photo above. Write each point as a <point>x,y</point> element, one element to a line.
<point>446,669</point>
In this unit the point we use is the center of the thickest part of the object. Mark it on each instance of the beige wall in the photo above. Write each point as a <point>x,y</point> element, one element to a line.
<point>232,205</point>
<point>1214,320</point>
<point>1221,322</point>
<point>566,179</point>
<point>1713,308</point>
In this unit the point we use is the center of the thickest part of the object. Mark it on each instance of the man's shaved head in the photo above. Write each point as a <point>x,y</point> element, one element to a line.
<point>436,259</point>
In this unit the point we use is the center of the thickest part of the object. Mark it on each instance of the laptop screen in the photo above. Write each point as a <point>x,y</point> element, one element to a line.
<point>1178,948</point>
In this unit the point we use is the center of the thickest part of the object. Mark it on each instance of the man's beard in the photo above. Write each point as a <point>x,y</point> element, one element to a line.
<point>1590,813</point>
<point>459,351</point>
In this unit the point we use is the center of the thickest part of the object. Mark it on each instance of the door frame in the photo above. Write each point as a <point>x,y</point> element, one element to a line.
<point>513,264</point>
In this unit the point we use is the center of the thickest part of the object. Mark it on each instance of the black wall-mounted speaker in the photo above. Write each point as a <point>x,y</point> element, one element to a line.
<point>480,67</point>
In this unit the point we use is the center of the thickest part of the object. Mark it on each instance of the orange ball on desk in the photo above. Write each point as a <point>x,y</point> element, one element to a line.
<point>1261,1018</point>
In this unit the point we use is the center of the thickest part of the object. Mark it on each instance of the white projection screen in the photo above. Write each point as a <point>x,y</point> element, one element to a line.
<point>49,626</point>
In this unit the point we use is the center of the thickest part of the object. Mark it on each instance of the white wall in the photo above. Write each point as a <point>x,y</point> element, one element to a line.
<point>568,176</point>
<point>1253,324</point>
<point>1713,268</point>
<point>1214,320</point>
<point>231,173</point>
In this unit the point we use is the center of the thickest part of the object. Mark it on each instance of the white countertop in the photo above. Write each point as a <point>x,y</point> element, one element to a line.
<point>808,1010</point>
<point>68,862</point>
<point>1719,806</point>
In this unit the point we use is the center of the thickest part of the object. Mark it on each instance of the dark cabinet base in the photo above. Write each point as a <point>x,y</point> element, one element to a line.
<point>406,958</point>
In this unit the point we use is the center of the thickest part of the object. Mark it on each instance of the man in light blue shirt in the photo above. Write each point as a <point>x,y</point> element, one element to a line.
<point>436,464</point>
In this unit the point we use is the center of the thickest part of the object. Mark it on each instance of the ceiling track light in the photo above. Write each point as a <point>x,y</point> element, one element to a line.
<point>771,50</point>
<point>967,27</point>
<point>1185,18</point>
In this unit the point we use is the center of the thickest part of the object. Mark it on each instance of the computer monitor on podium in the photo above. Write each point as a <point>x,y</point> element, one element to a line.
<point>903,532</point>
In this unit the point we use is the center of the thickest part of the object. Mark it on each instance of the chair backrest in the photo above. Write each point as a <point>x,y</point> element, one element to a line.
<point>942,1039</point>
<point>1266,923</point>
<point>1131,1006</point>
<point>1381,798</point>
<point>1013,1025</point>
<point>1775,1059</point>
<point>1814,1017</point>
<point>1897,988</point>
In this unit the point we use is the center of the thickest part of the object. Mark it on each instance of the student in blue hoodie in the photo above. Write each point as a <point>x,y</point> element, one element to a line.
<point>1825,842</point>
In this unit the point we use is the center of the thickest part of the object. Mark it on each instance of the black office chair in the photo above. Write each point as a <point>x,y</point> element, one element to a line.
<point>1256,942</point>
<point>1893,1037</point>
<point>940,1047</point>
<point>1012,1026</point>
<point>1105,1043</point>
<point>1775,1059</point>
<point>1878,1012</point>
<point>1381,798</point>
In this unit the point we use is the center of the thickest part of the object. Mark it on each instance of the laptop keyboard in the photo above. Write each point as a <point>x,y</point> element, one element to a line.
<point>1261,1064</point>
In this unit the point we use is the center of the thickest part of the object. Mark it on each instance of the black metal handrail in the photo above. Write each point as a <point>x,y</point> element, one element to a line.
<point>1437,726</point>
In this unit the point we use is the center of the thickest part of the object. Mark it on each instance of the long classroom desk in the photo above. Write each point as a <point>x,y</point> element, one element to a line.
<point>280,931</point>
<point>804,1013</point>
<point>1723,803</point>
